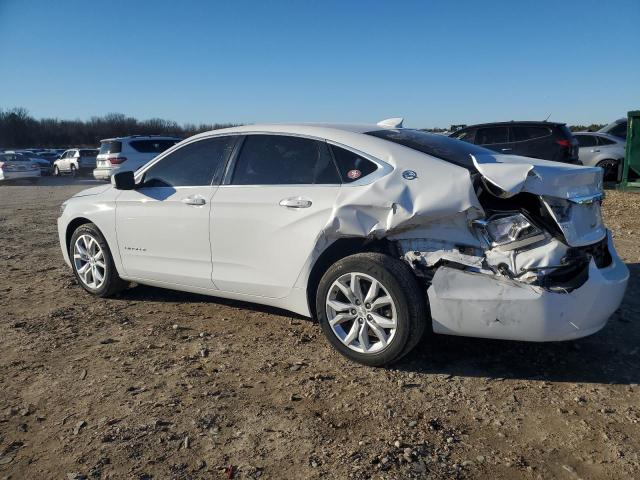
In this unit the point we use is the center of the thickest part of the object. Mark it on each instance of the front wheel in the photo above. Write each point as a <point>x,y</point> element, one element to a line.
<point>371,308</point>
<point>92,262</point>
<point>56,171</point>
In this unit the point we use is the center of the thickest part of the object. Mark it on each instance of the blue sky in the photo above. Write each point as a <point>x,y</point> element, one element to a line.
<point>433,62</point>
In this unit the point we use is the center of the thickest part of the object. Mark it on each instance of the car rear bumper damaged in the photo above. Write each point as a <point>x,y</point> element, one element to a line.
<point>471,303</point>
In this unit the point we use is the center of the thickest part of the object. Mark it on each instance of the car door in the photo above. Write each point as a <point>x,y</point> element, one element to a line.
<point>495,138</point>
<point>163,225</point>
<point>269,213</point>
<point>588,149</point>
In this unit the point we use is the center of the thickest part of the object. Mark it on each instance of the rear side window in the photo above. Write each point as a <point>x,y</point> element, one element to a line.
<point>586,140</point>
<point>88,153</point>
<point>491,135</point>
<point>110,147</point>
<point>199,163</point>
<point>351,165</point>
<point>152,146</point>
<point>439,146</point>
<point>529,132</point>
<point>284,160</point>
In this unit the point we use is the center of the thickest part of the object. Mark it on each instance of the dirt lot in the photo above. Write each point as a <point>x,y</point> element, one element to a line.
<point>160,384</point>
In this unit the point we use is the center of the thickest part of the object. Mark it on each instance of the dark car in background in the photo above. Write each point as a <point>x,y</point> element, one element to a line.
<point>545,140</point>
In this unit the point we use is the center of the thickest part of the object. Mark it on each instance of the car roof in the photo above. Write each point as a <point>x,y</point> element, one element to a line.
<point>513,122</point>
<point>141,137</point>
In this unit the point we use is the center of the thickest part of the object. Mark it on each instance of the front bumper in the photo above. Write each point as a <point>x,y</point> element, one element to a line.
<point>480,305</point>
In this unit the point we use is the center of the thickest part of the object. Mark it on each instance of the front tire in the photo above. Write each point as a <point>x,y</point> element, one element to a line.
<point>371,308</point>
<point>56,171</point>
<point>92,262</point>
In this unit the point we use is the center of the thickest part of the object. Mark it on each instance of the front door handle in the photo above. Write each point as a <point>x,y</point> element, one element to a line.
<point>295,202</point>
<point>595,150</point>
<point>194,200</point>
<point>506,149</point>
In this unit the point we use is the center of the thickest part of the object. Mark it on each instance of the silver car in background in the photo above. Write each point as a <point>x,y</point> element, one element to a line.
<point>602,150</point>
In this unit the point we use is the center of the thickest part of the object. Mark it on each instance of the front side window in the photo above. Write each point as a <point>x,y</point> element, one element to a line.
<point>283,160</point>
<point>605,141</point>
<point>492,135</point>
<point>200,163</point>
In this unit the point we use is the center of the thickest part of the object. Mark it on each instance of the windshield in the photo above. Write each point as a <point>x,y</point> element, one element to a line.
<point>439,146</point>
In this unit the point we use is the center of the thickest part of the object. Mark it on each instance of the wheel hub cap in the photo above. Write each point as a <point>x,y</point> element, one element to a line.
<point>88,261</point>
<point>361,312</point>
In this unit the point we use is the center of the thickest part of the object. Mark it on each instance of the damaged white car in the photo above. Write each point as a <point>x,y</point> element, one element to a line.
<point>378,231</point>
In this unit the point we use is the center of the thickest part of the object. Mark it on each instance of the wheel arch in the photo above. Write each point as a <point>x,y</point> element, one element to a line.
<point>72,226</point>
<point>341,248</point>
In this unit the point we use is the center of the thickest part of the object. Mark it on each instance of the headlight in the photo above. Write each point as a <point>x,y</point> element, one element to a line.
<point>509,231</point>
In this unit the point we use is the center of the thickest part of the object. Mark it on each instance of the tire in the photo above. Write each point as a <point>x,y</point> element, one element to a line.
<point>56,171</point>
<point>73,171</point>
<point>407,309</point>
<point>111,282</point>
<point>610,167</point>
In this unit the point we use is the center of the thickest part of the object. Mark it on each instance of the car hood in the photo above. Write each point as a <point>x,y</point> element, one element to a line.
<point>93,191</point>
<point>514,174</point>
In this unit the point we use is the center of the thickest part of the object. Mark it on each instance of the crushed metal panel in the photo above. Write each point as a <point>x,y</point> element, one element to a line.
<point>480,305</point>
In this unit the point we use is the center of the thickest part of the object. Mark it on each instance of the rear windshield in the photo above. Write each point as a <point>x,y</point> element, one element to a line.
<point>88,153</point>
<point>13,157</point>
<point>439,146</point>
<point>110,147</point>
<point>152,146</point>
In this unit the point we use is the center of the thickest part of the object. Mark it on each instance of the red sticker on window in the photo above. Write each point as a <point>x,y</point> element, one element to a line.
<point>353,174</point>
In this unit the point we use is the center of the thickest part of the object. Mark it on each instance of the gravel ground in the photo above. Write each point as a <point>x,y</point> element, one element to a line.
<point>160,384</point>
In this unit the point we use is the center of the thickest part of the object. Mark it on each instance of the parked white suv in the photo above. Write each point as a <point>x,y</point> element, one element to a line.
<point>376,230</point>
<point>129,153</point>
<point>76,161</point>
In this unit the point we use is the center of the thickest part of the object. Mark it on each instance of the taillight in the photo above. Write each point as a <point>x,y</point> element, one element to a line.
<point>564,143</point>
<point>117,160</point>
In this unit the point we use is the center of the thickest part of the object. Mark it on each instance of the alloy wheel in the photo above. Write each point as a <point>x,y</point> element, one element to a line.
<point>361,312</point>
<point>89,261</point>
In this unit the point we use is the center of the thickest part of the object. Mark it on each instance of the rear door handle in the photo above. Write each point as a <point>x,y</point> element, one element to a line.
<point>506,149</point>
<point>594,150</point>
<point>295,202</point>
<point>194,200</point>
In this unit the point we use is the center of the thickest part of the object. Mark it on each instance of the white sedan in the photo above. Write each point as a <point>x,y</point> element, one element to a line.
<point>17,166</point>
<point>378,231</point>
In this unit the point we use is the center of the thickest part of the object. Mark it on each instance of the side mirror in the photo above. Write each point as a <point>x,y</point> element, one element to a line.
<point>123,180</point>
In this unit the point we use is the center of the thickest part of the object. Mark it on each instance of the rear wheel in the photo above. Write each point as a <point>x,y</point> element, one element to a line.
<point>73,171</point>
<point>56,171</point>
<point>371,308</point>
<point>92,262</point>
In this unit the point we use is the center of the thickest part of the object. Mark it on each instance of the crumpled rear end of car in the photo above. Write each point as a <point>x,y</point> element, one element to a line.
<point>515,250</point>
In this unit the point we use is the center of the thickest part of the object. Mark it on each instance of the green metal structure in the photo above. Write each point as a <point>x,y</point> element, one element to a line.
<point>631,168</point>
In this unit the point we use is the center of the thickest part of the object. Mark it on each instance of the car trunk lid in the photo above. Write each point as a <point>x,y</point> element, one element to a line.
<point>572,194</point>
